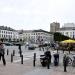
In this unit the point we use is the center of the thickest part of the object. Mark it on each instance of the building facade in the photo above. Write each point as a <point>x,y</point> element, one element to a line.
<point>68,31</point>
<point>7,33</point>
<point>37,36</point>
<point>54,26</point>
<point>69,25</point>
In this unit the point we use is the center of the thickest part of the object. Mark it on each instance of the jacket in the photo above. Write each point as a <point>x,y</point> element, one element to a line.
<point>2,49</point>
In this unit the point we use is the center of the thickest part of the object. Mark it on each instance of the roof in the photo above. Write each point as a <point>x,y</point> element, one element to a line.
<point>6,28</point>
<point>39,30</point>
<point>67,28</point>
<point>23,31</point>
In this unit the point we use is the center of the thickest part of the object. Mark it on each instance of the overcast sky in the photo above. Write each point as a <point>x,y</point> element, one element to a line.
<point>36,14</point>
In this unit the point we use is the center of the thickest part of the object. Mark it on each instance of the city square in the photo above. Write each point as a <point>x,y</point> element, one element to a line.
<point>37,37</point>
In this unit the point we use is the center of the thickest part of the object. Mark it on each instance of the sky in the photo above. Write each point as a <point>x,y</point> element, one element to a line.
<point>36,14</point>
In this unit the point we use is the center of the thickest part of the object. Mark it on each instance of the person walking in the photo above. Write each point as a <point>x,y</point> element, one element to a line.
<point>2,52</point>
<point>20,51</point>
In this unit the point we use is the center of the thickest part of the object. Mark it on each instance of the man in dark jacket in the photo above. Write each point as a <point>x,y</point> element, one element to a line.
<point>20,51</point>
<point>48,54</point>
<point>2,53</point>
<point>48,57</point>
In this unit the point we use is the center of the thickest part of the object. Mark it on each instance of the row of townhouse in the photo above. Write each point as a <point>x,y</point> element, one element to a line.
<point>36,36</point>
<point>7,33</point>
<point>33,36</point>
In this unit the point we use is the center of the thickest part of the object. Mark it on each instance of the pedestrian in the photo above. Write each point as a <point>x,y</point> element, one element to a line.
<point>2,53</point>
<point>43,48</point>
<point>57,47</point>
<point>48,54</point>
<point>20,51</point>
<point>48,57</point>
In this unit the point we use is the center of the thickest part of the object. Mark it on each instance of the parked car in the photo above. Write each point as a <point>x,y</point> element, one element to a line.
<point>31,46</point>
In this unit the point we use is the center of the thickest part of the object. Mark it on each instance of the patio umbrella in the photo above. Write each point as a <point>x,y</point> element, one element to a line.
<point>68,41</point>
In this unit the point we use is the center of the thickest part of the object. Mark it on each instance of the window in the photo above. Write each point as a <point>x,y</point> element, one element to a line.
<point>2,31</point>
<point>6,32</point>
<point>11,32</point>
<point>6,35</point>
<point>67,33</point>
<point>2,35</point>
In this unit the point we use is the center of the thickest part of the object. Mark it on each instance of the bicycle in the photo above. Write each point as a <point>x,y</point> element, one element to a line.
<point>69,61</point>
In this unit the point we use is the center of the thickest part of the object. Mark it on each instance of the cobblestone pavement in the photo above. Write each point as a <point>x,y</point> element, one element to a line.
<point>16,68</point>
<point>28,69</point>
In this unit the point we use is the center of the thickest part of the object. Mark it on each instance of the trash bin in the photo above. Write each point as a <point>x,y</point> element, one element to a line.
<point>56,59</point>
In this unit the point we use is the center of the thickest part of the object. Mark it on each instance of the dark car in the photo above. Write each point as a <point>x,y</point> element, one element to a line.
<point>31,47</point>
<point>8,44</point>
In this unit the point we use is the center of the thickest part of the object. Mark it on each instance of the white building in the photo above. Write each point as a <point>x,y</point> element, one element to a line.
<point>68,31</point>
<point>36,36</point>
<point>8,33</point>
<point>69,25</point>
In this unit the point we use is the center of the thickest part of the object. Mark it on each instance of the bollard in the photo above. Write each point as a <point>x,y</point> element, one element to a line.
<point>21,59</point>
<point>34,59</point>
<point>34,63</point>
<point>13,52</point>
<point>34,56</point>
<point>48,63</point>
<point>65,63</point>
<point>65,69</point>
<point>11,57</point>
<point>7,52</point>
